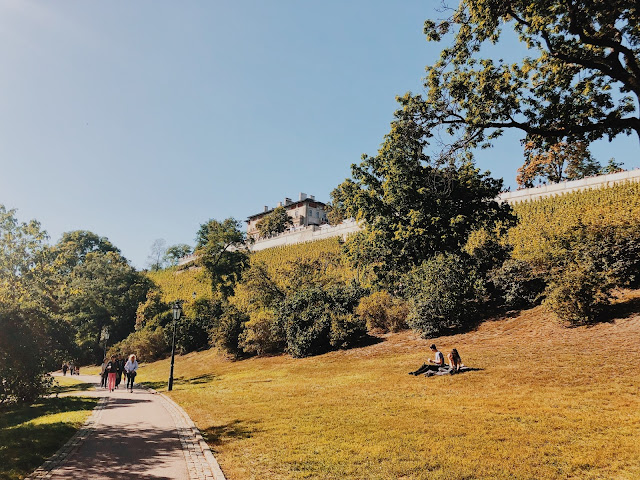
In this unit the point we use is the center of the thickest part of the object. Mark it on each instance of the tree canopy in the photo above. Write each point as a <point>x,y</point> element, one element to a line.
<point>274,222</point>
<point>414,207</point>
<point>222,252</point>
<point>581,81</point>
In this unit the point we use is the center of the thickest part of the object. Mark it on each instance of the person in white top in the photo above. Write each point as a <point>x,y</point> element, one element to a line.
<point>130,369</point>
<point>433,364</point>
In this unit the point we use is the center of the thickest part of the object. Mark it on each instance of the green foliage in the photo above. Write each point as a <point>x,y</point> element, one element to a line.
<point>413,207</point>
<point>261,333</point>
<point>223,254</point>
<point>585,244</point>
<point>582,85</point>
<point>516,285</point>
<point>176,252</point>
<point>24,350</point>
<point>444,293</point>
<point>193,330</point>
<point>227,332</point>
<point>148,344</point>
<point>579,293</point>
<point>274,222</point>
<point>103,291</point>
<point>382,312</point>
<point>315,320</point>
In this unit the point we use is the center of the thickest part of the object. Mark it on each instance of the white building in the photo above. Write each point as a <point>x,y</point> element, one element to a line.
<point>304,212</point>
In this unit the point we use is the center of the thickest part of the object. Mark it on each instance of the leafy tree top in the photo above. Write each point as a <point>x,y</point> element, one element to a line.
<point>581,82</point>
<point>274,222</point>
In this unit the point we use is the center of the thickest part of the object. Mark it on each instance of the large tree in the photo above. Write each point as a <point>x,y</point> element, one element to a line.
<point>274,222</point>
<point>104,291</point>
<point>223,253</point>
<point>413,206</point>
<point>579,82</point>
<point>33,338</point>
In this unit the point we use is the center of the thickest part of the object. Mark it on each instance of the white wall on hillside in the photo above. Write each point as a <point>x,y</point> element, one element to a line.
<point>311,233</point>
<point>569,186</point>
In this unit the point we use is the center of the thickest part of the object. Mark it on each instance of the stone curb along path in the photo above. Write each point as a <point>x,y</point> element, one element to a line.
<point>69,448</point>
<point>200,461</point>
<point>194,447</point>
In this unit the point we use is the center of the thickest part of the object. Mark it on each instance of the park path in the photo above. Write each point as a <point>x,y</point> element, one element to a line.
<point>142,435</point>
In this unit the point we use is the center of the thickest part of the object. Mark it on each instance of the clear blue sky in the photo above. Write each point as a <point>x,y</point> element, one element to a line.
<point>142,120</point>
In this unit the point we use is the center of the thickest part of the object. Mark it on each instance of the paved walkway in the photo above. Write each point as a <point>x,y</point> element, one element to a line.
<point>142,435</point>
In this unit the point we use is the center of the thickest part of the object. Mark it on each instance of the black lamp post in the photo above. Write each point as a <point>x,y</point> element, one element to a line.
<point>105,336</point>
<point>177,311</point>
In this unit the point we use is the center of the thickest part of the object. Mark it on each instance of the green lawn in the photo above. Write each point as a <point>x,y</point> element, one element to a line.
<point>547,403</point>
<point>31,434</point>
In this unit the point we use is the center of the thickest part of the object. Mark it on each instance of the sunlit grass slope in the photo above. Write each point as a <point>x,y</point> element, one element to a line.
<point>549,402</point>
<point>180,284</point>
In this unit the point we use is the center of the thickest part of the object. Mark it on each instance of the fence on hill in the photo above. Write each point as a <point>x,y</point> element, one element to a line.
<point>570,186</point>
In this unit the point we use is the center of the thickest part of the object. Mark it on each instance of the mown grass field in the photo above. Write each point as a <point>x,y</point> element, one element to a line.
<point>31,434</point>
<point>549,402</point>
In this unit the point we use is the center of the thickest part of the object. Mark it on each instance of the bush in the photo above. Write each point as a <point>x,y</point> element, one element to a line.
<point>262,333</point>
<point>515,285</point>
<point>226,333</point>
<point>382,312</point>
<point>444,292</point>
<point>148,344</point>
<point>316,320</point>
<point>23,357</point>
<point>579,294</point>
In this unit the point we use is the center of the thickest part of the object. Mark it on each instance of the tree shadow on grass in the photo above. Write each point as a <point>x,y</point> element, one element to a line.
<point>222,434</point>
<point>57,389</point>
<point>206,378</point>
<point>160,385</point>
<point>25,446</point>
<point>620,310</point>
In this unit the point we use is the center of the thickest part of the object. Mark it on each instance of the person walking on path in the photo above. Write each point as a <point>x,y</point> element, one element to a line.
<point>111,370</point>
<point>119,369</point>
<point>103,373</point>
<point>65,367</point>
<point>130,369</point>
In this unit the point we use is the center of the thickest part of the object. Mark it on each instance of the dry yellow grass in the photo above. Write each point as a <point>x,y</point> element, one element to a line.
<point>549,402</point>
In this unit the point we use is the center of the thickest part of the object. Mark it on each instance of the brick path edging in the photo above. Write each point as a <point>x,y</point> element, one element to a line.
<point>72,445</point>
<point>194,447</point>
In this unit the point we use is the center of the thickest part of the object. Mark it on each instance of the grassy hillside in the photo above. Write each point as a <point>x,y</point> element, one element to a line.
<point>548,403</point>
<point>545,220</point>
<point>180,284</point>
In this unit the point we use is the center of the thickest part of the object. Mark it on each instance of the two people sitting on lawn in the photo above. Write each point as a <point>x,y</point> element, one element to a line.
<point>455,362</point>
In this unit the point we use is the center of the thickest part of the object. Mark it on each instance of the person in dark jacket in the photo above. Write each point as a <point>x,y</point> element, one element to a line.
<point>119,370</point>
<point>111,369</point>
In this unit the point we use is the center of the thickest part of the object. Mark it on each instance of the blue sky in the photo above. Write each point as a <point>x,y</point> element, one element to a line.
<point>142,120</point>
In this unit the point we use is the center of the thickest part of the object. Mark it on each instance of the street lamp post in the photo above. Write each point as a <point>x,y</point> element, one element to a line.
<point>177,311</point>
<point>105,336</point>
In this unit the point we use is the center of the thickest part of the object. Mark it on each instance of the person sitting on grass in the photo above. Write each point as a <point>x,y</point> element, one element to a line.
<point>433,364</point>
<point>455,362</point>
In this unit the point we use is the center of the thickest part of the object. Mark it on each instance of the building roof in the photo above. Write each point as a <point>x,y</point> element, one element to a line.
<point>293,202</point>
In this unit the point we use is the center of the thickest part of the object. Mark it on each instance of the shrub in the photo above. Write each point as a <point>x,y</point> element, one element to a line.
<point>23,358</point>
<point>315,320</point>
<point>262,333</point>
<point>226,333</point>
<point>579,294</point>
<point>515,285</point>
<point>382,312</point>
<point>444,292</point>
<point>148,344</point>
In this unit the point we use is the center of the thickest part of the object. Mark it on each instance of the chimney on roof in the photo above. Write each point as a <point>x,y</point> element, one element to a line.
<point>303,196</point>
<point>266,208</point>
<point>279,204</point>
<point>287,201</point>
<point>312,197</point>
